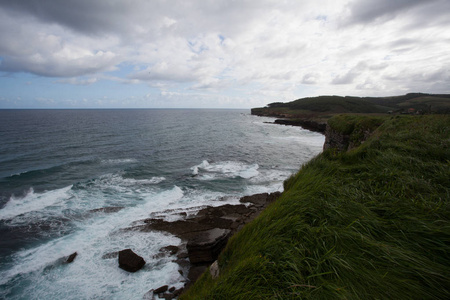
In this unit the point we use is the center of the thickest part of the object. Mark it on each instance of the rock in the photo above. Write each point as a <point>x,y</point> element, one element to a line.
<point>195,272</point>
<point>71,257</point>
<point>205,246</point>
<point>161,289</point>
<point>179,228</point>
<point>261,200</point>
<point>182,255</point>
<point>168,296</point>
<point>130,261</point>
<point>305,124</point>
<point>214,270</point>
<point>177,292</point>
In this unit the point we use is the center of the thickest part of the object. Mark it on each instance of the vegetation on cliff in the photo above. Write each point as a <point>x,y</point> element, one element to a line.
<point>322,107</point>
<point>372,222</point>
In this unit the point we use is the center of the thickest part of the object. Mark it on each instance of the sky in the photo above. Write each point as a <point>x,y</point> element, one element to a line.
<point>218,53</point>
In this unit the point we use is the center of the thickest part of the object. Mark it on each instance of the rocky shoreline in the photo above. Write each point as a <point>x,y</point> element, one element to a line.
<point>203,236</point>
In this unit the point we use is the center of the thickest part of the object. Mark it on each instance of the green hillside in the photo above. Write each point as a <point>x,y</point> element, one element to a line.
<point>316,107</point>
<point>369,223</point>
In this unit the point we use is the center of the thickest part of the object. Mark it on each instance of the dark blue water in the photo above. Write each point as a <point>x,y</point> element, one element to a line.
<point>57,165</point>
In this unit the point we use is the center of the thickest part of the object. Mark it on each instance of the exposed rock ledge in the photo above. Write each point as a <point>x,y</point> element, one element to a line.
<point>206,233</point>
<point>306,124</point>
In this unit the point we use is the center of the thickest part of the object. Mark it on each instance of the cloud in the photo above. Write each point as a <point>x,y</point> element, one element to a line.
<point>310,78</point>
<point>256,49</point>
<point>78,81</point>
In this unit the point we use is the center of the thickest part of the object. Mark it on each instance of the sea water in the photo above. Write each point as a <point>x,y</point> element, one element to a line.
<point>58,167</point>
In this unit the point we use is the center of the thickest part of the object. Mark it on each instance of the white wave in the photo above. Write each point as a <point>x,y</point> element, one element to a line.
<point>225,169</point>
<point>306,138</point>
<point>94,238</point>
<point>120,183</point>
<point>119,161</point>
<point>203,165</point>
<point>34,202</point>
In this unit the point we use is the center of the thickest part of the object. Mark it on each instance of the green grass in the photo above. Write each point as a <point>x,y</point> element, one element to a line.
<point>370,223</point>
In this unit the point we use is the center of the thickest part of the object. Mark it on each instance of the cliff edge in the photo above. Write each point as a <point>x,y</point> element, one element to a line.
<point>369,218</point>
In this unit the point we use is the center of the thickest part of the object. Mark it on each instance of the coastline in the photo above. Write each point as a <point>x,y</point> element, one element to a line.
<point>206,234</point>
<point>350,218</point>
<point>305,123</point>
<point>203,236</point>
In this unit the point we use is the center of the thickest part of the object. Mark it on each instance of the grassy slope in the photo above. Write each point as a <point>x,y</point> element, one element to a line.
<point>316,107</point>
<point>371,223</point>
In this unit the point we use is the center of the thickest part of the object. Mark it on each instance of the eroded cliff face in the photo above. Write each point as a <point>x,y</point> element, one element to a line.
<point>335,139</point>
<point>344,133</point>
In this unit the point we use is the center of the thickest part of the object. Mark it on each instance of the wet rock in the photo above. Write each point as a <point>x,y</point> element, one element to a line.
<point>179,228</point>
<point>161,289</point>
<point>130,261</point>
<point>71,257</point>
<point>205,246</point>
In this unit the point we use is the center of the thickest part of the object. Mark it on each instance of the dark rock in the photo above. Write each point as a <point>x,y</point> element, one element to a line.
<point>260,200</point>
<point>195,272</point>
<point>216,222</point>
<point>172,289</point>
<point>205,246</point>
<point>161,289</point>
<point>305,124</point>
<point>177,292</point>
<point>130,261</point>
<point>168,296</point>
<point>179,228</point>
<point>71,257</point>
<point>182,255</point>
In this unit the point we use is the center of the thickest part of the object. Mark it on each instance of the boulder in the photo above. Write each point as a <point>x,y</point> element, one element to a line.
<point>130,261</point>
<point>214,270</point>
<point>205,246</point>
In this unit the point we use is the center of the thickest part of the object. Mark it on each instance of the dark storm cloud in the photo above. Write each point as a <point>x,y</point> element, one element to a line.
<point>368,11</point>
<point>80,15</point>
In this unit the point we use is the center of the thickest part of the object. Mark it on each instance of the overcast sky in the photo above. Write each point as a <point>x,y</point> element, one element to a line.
<point>218,53</point>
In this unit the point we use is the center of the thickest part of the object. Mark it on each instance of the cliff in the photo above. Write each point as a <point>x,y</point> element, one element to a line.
<point>370,221</point>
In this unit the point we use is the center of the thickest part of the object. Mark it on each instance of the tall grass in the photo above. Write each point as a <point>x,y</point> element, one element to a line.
<point>371,223</point>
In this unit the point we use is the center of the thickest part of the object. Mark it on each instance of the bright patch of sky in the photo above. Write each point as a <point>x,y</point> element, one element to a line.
<point>218,54</point>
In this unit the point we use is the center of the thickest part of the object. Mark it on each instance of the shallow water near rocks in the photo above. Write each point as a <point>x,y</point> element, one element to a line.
<point>59,168</point>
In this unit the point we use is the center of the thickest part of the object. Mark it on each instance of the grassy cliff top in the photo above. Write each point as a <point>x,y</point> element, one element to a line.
<point>369,223</point>
<point>325,106</point>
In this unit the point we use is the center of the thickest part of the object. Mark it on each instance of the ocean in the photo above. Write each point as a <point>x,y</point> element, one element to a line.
<point>59,167</point>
